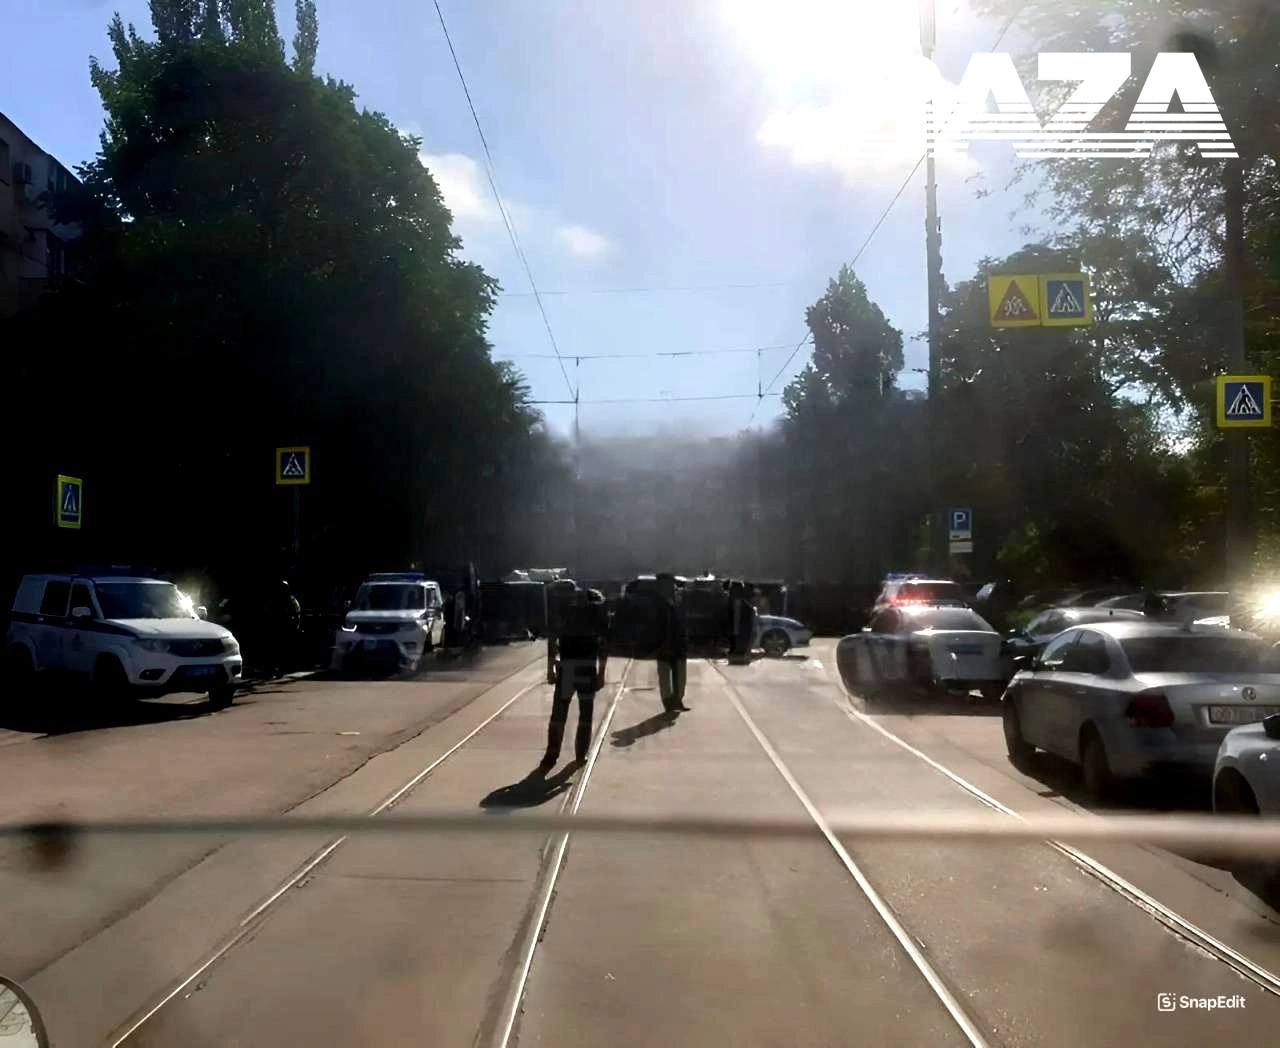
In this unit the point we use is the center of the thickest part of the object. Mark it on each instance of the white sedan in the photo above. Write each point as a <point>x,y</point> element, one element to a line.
<point>1246,775</point>
<point>949,648</point>
<point>777,635</point>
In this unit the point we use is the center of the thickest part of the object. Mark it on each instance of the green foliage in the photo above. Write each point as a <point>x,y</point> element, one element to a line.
<point>268,264</point>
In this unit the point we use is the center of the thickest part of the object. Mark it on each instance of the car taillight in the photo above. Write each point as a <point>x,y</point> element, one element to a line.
<point>1149,710</point>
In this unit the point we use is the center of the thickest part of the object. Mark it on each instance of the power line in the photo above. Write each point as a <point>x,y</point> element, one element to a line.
<point>765,392</point>
<point>661,400</point>
<point>654,289</point>
<point>655,353</point>
<point>502,210</point>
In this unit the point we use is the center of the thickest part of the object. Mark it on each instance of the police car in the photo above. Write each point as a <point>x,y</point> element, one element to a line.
<point>396,618</point>
<point>128,634</point>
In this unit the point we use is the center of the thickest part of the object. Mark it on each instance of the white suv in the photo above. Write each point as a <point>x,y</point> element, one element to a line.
<point>127,634</point>
<point>396,618</point>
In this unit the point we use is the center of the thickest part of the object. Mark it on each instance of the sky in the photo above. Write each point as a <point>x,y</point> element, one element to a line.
<point>707,157</point>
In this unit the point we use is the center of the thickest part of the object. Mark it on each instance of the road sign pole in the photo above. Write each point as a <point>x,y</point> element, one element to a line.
<point>297,524</point>
<point>1239,535</point>
<point>939,554</point>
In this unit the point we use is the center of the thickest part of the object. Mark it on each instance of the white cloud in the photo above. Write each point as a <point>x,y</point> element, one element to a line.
<point>846,81</point>
<point>463,186</point>
<point>467,194</point>
<point>583,242</point>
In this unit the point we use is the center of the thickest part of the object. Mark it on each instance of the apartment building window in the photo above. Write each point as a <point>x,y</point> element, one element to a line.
<point>55,255</point>
<point>4,161</point>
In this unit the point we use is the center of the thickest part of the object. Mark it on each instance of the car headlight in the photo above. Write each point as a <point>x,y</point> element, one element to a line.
<point>348,628</point>
<point>230,646</point>
<point>153,645</point>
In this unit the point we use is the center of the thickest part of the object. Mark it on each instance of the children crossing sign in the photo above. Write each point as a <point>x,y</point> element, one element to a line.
<point>1244,401</point>
<point>1064,300</point>
<point>293,465</point>
<point>1012,300</point>
<point>1039,300</point>
<point>68,505</point>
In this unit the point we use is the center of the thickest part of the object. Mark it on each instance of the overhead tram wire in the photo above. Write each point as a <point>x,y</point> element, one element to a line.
<point>649,355</point>
<point>502,210</point>
<point>878,223</point>
<point>655,289</point>
<point>661,400</point>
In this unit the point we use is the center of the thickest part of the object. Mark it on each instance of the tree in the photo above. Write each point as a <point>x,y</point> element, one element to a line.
<point>268,265</point>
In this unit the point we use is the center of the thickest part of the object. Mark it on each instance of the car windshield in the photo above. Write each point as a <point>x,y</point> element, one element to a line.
<point>390,596</point>
<point>1198,654</point>
<point>142,600</point>
<point>949,619</point>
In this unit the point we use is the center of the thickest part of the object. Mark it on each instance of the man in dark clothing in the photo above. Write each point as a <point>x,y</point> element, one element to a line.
<point>584,656</point>
<point>673,656</point>
<point>559,593</point>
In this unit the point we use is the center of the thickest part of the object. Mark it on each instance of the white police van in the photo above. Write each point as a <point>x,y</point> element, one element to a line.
<point>396,618</point>
<point>126,633</point>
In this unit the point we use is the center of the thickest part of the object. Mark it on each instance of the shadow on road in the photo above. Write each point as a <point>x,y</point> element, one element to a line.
<point>534,789</point>
<point>650,726</point>
<point>62,715</point>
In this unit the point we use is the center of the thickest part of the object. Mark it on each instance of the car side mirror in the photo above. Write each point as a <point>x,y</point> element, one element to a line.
<point>1271,725</point>
<point>81,612</point>
<point>202,612</point>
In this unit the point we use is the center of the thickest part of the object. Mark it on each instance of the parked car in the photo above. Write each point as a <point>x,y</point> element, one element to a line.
<point>1022,645</point>
<point>1128,699</point>
<point>131,636</point>
<point>397,618</point>
<point>1178,605</point>
<point>922,591</point>
<point>776,635</point>
<point>1246,775</point>
<point>938,647</point>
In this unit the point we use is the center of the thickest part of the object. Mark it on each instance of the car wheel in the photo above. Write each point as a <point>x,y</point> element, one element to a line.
<point>1095,769</point>
<point>110,681</point>
<point>222,696</point>
<point>1020,751</point>
<point>775,644</point>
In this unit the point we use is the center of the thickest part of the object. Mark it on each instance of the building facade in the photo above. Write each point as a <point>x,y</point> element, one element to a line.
<point>33,248</point>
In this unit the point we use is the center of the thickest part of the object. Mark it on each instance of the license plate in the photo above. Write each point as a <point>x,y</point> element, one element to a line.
<point>1240,714</point>
<point>202,671</point>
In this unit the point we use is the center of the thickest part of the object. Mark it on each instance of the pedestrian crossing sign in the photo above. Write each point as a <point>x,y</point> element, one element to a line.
<point>68,506</point>
<point>1012,300</point>
<point>293,465</point>
<point>1065,300</point>
<point>1244,401</point>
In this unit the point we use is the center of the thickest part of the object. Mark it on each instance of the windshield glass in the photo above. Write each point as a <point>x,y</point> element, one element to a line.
<point>1192,654</point>
<point>390,596</point>
<point>142,600</point>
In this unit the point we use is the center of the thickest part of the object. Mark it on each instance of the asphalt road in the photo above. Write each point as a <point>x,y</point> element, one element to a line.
<point>450,938</point>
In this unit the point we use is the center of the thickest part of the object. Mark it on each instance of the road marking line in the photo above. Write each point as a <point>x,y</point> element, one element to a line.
<point>1265,979</point>
<point>935,981</point>
<point>251,922</point>
<point>551,874</point>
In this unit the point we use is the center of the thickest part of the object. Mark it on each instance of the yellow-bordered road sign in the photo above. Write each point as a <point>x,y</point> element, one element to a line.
<point>68,503</point>
<point>1065,300</point>
<point>1244,401</point>
<point>293,465</point>
<point>1013,300</point>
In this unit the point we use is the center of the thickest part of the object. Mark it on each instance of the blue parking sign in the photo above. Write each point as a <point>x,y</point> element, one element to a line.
<point>960,524</point>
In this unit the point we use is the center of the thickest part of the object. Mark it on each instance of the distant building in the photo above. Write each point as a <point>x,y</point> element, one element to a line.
<point>33,248</point>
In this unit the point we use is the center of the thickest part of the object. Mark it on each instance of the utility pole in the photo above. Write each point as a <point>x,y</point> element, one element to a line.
<point>939,555</point>
<point>1239,532</point>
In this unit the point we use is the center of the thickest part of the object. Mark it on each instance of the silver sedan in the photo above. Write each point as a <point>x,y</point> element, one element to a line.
<point>777,634</point>
<point>1246,777</point>
<point>1124,699</point>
